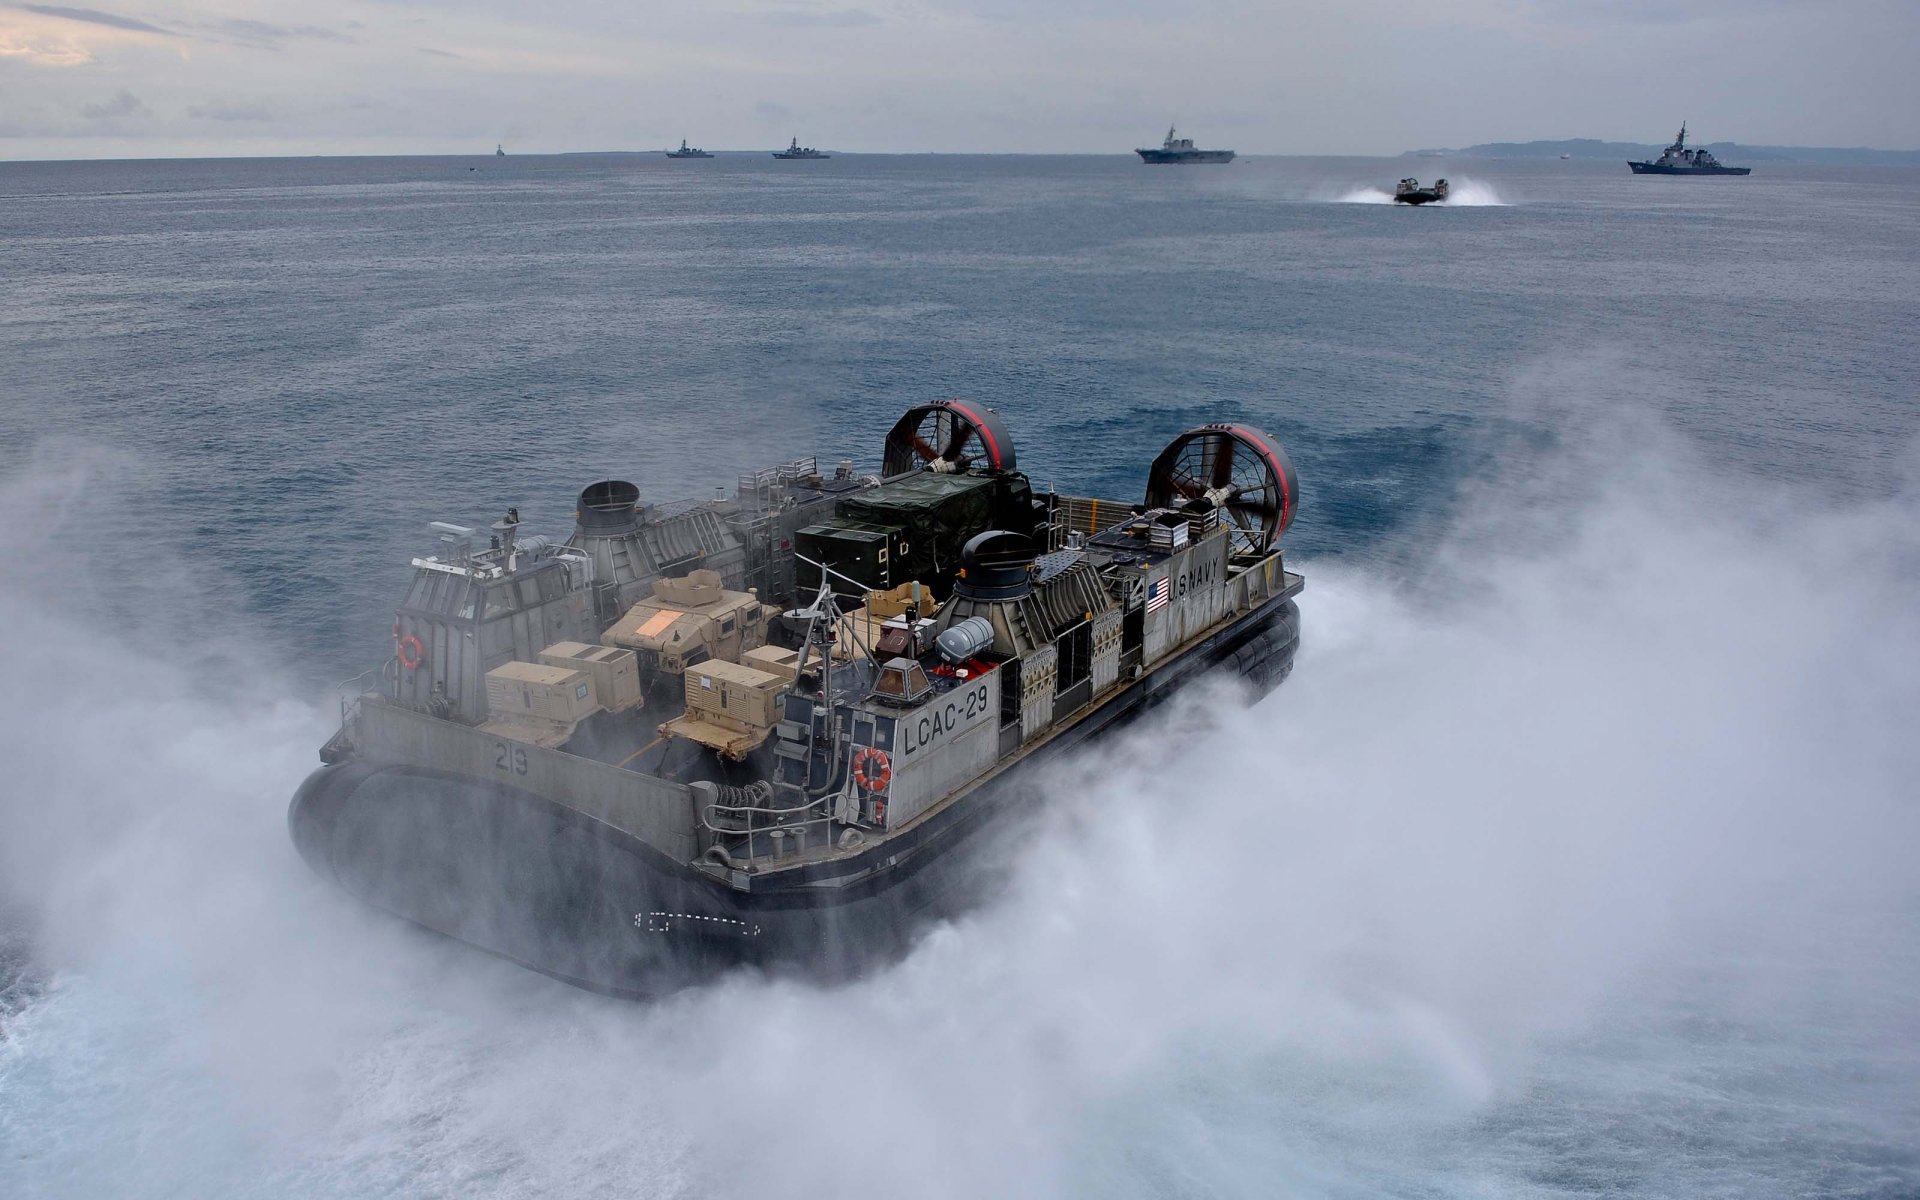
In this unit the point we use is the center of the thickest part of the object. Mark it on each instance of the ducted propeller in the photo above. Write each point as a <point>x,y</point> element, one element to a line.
<point>1233,468</point>
<point>951,437</point>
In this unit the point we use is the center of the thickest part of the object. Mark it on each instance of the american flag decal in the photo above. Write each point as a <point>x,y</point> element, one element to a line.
<point>1159,593</point>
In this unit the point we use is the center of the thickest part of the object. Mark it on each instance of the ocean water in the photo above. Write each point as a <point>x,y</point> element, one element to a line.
<point>1576,858</point>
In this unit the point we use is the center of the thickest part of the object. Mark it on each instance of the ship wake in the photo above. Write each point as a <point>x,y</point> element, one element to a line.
<point>1462,193</point>
<point>1592,849</point>
<point>1473,193</point>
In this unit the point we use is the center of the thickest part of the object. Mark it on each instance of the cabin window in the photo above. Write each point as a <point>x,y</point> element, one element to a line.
<point>726,626</point>
<point>530,592</point>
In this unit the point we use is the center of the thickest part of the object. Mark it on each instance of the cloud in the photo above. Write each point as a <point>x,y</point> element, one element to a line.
<point>265,33</point>
<point>439,53</point>
<point>43,52</point>
<point>220,110</point>
<point>812,18</point>
<point>123,104</point>
<point>94,16</point>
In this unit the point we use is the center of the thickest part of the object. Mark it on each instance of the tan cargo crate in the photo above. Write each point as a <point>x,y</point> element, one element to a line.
<point>894,601</point>
<point>615,672</point>
<point>537,690</point>
<point>776,660</point>
<point>735,693</point>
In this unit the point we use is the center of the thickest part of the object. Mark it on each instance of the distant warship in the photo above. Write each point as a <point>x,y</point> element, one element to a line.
<point>686,151</point>
<point>1409,191</point>
<point>796,150</point>
<point>1181,150</point>
<point>1678,160</point>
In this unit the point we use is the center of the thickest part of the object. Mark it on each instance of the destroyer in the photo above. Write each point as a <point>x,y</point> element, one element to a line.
<point>1677,159</point>
<point>796,150</point>
<point>781,727</point>
<point>686,151</point>
<point>1182,150</point>
<point>1409,191</point>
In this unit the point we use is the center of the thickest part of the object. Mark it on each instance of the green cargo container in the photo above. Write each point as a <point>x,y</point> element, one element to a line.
<point>912,528</point>
<point>852,550</point>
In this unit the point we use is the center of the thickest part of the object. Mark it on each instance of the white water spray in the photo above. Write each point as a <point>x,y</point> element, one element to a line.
<point>1331,945</point>
<point>1461,193</point>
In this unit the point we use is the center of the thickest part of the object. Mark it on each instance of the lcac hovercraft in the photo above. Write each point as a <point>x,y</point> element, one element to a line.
<point>780,728</point>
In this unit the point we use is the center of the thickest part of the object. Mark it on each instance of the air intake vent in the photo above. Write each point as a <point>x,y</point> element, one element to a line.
<point>609,507</point>
<point>995,565</point>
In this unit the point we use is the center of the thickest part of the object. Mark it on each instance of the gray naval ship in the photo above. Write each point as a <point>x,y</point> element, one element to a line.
<point>796,150</point>
<point>1177,149</point>
<point>686,151</point>
<point>782,727</point>
<point>1677,159</point>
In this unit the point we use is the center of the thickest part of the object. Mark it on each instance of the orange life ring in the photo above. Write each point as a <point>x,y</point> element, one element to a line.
<point>411,652</point>
<point>871,768</point>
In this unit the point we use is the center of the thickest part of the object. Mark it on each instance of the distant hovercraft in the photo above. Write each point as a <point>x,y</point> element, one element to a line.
<point>1409,191</point>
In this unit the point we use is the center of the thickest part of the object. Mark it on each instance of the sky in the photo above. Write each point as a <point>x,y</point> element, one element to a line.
<point>272,77</point>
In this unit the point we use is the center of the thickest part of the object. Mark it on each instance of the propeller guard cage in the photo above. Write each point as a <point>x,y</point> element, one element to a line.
<point>1239,470</point>
<point>951,436</point>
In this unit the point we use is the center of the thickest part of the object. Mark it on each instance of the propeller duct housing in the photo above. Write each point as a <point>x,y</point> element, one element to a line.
<point>949,436</point>
<point>1236,469</point>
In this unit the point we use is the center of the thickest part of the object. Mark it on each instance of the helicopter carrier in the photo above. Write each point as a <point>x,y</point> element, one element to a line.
<point>780,727</point>
<point>1176,149</point>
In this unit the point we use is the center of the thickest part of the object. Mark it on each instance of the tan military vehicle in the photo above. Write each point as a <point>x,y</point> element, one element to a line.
<point>689,619</point>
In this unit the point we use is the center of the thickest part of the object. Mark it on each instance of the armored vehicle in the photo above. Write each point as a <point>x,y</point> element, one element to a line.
<point>1177,149</point>
<point>782,727</point>
<point>1409,191</point>
<point>1677,159</point>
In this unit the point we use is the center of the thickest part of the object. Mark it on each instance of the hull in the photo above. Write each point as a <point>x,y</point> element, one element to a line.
<point>677,154</point>
<point>784,154</point>
<point>559,892</point>
<point>1185,156</point>
<point>1418,198</point>
<point>1649,168</point>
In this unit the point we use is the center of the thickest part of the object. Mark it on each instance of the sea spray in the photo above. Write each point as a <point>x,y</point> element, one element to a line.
<point>1429,916</point>
<point>1461,193</point>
